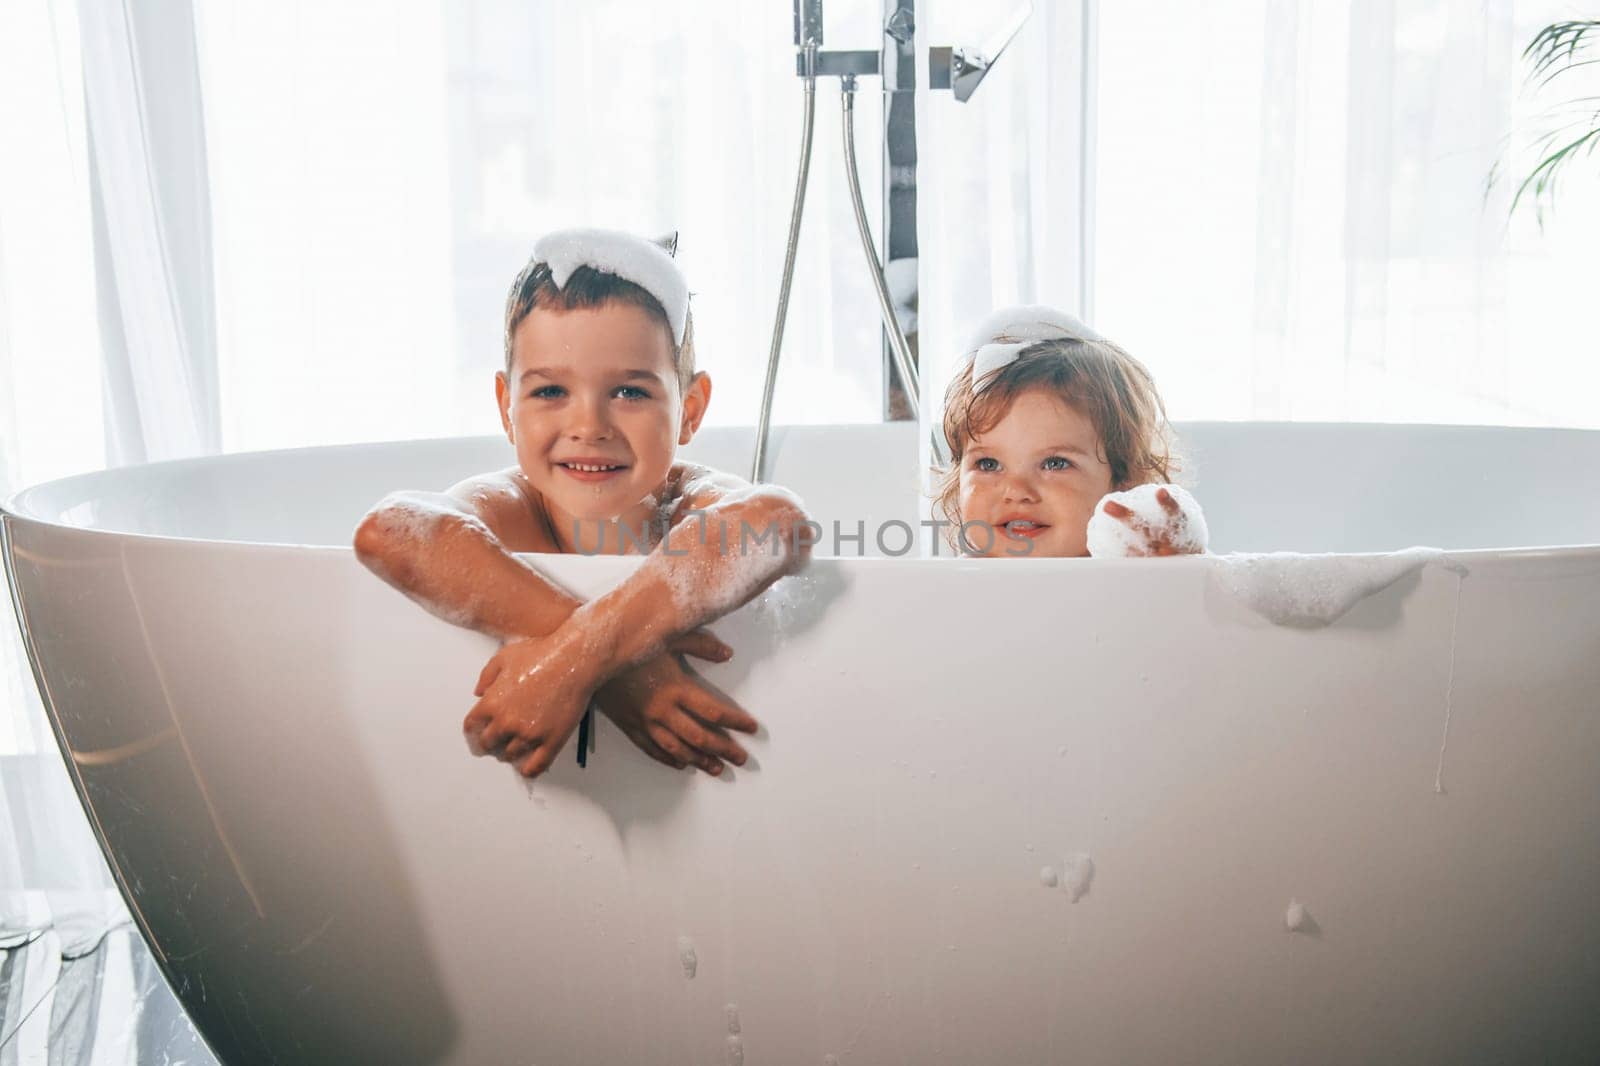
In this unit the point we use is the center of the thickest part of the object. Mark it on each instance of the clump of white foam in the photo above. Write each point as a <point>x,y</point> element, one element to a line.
<point>735,1050</point>
<point>687,957</point>
<point>1295,919</point>
<point>999,339</point>
<point>1112,538</point>
<point>1077,874</point>
<point>634,259</point>
<point>1312,591</point>
<point>719,561</point>
<point>1047,877</point>
<point>1029,323</point>
<point>732,1011</point>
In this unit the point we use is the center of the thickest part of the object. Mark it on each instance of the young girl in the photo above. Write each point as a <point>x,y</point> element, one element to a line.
<point>1060,446</point>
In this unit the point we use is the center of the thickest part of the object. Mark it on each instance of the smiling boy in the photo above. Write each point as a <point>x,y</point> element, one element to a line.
<point>599,390</point>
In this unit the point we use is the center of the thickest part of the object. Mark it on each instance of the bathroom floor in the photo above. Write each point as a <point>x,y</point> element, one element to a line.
<point>101,1003</point>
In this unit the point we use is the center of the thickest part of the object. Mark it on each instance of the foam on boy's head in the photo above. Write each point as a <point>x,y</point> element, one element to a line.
<point>634,259</point>
<point>574,281</point>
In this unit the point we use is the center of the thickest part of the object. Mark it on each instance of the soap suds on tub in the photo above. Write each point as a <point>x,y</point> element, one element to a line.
<point>1312,591</point>
<point>687,957</point>
<point>1077,874</point>
<point>1113,538</point>
<point>741,565</point>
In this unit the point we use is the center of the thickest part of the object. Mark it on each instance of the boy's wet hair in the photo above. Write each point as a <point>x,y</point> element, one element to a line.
<point>1111,388</point>
<point>587,287</point>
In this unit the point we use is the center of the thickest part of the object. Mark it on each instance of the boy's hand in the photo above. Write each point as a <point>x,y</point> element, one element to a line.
<point>1173,527</point>
<point>532,694</point>
<point>673,717</point>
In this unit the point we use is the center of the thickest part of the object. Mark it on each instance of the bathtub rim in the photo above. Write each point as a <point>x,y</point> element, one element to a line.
<point>15,506</point>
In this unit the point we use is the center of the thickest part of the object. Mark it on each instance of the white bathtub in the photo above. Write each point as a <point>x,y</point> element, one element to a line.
<point>268,742</point>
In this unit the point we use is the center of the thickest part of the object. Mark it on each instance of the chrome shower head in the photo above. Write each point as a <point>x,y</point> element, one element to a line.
<point>961,69</point>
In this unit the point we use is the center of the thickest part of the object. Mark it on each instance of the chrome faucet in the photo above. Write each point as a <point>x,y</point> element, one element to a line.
<point>957,69</point>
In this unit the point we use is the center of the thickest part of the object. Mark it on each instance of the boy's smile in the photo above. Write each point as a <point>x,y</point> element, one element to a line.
<point>1034,477</point>
<point>593,407</point>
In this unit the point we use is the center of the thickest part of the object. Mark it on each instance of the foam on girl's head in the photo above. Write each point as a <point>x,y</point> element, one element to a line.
<point>631,258</point>
<point>1029,322</point>
<point>1001,337</point>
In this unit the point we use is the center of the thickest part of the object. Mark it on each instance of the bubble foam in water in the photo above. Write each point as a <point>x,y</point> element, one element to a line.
<point>1077,874</point>
<point>1312,591</point>
<point>1114,538</point>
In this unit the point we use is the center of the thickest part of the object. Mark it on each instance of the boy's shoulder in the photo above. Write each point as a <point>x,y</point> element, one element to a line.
<point>692,486</point>
<point>510,506</point>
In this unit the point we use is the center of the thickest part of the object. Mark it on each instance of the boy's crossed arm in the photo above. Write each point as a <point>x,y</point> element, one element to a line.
<point>448,552</point>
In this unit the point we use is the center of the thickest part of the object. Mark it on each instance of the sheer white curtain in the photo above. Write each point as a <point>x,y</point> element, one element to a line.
<point>50,424</point>
<point>1282,207</point>
<point>103,296</point>
<point>379,173</point>
<point>1291,215</point>
<point>1004,190</point>
<point>152,226</point>
<point>55,894</point>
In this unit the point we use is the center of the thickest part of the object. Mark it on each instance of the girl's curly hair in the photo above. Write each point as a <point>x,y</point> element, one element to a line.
<point>1109,386</point>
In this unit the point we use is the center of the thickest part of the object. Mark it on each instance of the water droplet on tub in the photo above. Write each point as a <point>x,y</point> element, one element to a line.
<point>830,1060</point>
<point>732,1010</point>
<point>1062,751</point>
<point>687,957</point>
<point>1047,877</point>
<point>735,1051</point>
<point>1295,919</point>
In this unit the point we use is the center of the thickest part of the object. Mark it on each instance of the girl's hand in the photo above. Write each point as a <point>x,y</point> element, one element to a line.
<point>673,717</point>
<point>1148,520</point>
<point>531,695</point>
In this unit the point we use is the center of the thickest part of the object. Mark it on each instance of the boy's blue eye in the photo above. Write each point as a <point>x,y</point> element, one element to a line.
<point>986,464</point>
<point>1058,462</point>
<point>548,392</point>
<point>631,392</point>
